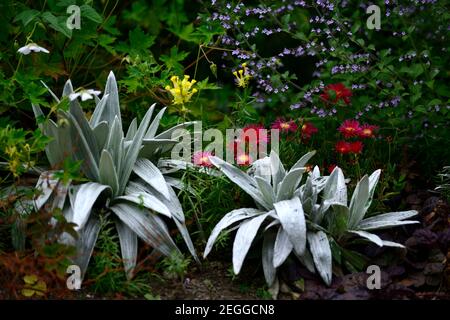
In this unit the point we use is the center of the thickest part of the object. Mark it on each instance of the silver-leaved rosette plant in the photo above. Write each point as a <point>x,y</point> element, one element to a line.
<point>124,182</point>
<point>299,219</point>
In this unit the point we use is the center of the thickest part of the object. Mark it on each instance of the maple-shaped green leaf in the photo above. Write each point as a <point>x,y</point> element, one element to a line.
<point>90,13</point>
<point>27,16</point>
<point>173,60</point>
<point>139,41</point>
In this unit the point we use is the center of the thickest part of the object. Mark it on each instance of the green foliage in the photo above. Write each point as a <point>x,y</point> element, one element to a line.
<point>444,182</point>
<point>19,149</point>
<point>106,268</point>
<point>33,286</point>
<point>176,265</point>
<point>398,77</point>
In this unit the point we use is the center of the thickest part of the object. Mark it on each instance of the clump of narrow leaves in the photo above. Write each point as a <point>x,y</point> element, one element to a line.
<point>300,219</point>
<point>123,181</point>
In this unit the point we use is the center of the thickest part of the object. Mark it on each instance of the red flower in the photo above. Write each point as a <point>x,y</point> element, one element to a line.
<point>247,134</point>
<point>368,131</point>
<point>244,159</point>
<point>284,125</point>
<point>201,158</point>
<point>350,128</point>
<point>342,147</point>
<point>356,147</point>
<point>335,92</point>
<point>261,132</point>
<point>308,129</point>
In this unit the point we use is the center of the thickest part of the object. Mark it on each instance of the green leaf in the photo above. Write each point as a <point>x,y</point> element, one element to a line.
<point>28,292</point>
<point>185,33</point>
<point>59,24</point>
<point>338,219</point>
<point>90,13</point>
<point>356,260</point>
<point>205,85</point>
<point>30,279</point>
<point>173,60</point>
<point>139,41</point>
<point>213,68</point>
<point>27,16</point>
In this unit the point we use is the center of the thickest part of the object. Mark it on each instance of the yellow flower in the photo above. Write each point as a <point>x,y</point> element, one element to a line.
<point>182,90</point>
<point>11,151</point>
<point>13,166</point>
<point>242,76</point>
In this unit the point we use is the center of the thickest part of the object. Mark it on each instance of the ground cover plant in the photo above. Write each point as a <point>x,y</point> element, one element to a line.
<point>115,117</point>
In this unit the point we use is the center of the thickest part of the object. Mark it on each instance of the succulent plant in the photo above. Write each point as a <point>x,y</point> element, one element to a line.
<point>299,218</point>
<point>123,180</point>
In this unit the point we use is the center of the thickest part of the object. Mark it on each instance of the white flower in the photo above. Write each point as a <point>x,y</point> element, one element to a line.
<point>85,94</point>
<point>32,47</point>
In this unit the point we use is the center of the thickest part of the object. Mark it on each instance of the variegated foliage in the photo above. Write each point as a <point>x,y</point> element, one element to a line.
<point>299,219</point>
<point>124,182</point>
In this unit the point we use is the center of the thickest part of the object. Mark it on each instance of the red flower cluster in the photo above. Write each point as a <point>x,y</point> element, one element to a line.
<point>353,129</point>
<point>261,133</point>
<point>201,159</point>
<point>335,92</point>
<point>307,129</point>
<point>244,141</point>
<point>241,144</point>
<point>349,147</point>
<point>285,126</point>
